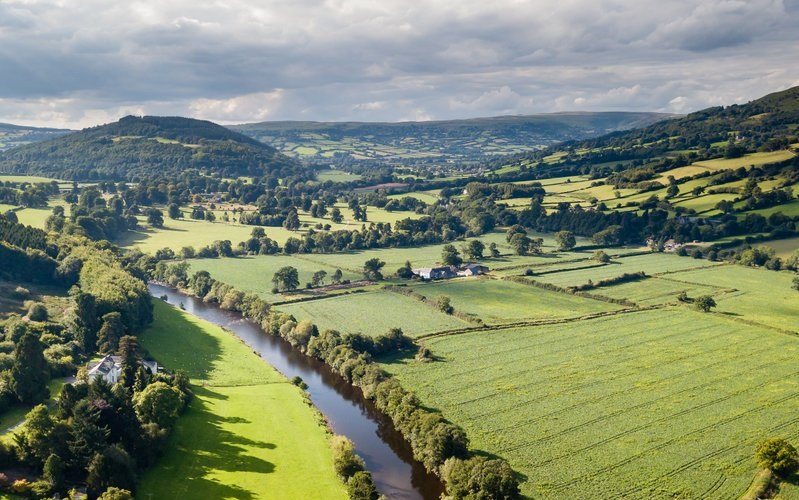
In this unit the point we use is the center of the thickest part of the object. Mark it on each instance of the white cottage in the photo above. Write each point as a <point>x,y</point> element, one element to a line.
<point>110,368</point>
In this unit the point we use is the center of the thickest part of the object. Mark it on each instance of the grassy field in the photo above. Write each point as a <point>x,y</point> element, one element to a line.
<point>656,404</point>
<point>499,301</point>
<point>649,263</point>
<point>254,274</point>
<point>336,175</point>
<point>752,159</point>
<point>373,313</point>
<point>247,433</point>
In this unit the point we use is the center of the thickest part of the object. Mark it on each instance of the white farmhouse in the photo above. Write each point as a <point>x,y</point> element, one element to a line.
<point>110,368</point>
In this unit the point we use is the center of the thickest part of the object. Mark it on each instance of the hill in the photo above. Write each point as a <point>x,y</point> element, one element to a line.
<point>435,142</point>
<point>136,148</point>
<point>17,135</point>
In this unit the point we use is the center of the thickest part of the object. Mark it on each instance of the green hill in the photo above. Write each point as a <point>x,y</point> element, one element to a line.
<point>136,148</point>
<point>435,142</point>
<point>17,135</point>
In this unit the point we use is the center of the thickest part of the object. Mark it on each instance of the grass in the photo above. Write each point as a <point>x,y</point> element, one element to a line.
<point>752,159</point>
<point>247,433</point>
<point>665,403</point>
<point>254,274</point>
<point>649,263</point>
<point>336,175</point>
<point>499,301</point>
<point>373,313</point>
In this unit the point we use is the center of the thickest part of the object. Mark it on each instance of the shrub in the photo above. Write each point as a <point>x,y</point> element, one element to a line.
<point>777,455</point>
<point>704,303</point>
<point>361,487</point>
<point>443,304</point>
<point>479,477</point>
<point>114,493</point>
<point>37,312</point>
<point>346,462</point>
<point>21,292</point>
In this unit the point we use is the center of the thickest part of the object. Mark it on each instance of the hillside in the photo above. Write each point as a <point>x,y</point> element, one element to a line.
<point>17,135</point>
<point>135,148</point>
<point>435,142</point>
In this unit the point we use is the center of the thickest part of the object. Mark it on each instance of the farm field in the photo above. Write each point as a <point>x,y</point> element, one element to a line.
<point>615,407</point>
<point>254,274</point>
<point>747,160</point>
<point>336,175</point>
<point>762,296</point>
<point>247,433</point>
<point>499,301</point>
<point>373,313</point>
<point>649,263</point>
<point>783,248</point>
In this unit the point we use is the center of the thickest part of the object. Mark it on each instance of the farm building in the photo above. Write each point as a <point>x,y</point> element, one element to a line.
<point>110,368</point>
<point>447,272</point>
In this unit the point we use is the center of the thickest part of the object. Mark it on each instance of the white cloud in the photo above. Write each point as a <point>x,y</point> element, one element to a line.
<point>73,62</point>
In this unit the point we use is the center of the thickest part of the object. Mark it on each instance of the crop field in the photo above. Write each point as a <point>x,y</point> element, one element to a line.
<point>247,433</point>
<point>762,296</point>
<point>649,263</point>
<point>373,313</point>
<point>654,404</point>
<point>336,175</point>
<point>499,301</point>
<point>254,274</point>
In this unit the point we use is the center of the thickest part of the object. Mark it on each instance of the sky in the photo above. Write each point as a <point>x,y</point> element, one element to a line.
<point>78,63</point>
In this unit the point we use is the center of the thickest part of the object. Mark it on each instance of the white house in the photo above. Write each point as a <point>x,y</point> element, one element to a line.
<point>110,368</point>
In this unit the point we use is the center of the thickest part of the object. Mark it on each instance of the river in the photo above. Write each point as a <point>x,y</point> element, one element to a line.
<point>386,453</point>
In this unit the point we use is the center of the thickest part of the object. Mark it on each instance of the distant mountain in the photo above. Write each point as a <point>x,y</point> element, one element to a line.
<point>17,135</point>
<point>140,147</point>
<point>436,141</point>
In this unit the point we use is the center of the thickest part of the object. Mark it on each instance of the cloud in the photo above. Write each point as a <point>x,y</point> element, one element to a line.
<point>73,62</point>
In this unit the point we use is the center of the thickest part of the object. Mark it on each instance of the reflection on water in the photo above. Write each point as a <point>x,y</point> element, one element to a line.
<point>388,457</point>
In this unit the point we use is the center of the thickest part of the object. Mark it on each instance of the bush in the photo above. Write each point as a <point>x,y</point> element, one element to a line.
<point>361,487</point>
<point>21,293</point>
<point>777,455</point>
<point>114,493</point>
<point>443,304</point>
<point>37,312</point>
<point>704,303</point>
<point>346,462</point>
<point>478,478</point>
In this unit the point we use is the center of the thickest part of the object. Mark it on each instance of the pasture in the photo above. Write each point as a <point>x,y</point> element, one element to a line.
<point>373,313</point>
<point>499,301</point>
<point>654,404</point>
<point>334,175</point>
<point>247,433</point>
<point>254,274</point>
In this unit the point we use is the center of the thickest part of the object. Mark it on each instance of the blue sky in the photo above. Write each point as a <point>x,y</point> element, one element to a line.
<point>77,63</point>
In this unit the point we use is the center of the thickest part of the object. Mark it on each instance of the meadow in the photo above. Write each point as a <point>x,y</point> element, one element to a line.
<point>499,301</point>
<point>247,433</point>
<point>373,313</point>
<point>618,406</point>
<point>254,274</point>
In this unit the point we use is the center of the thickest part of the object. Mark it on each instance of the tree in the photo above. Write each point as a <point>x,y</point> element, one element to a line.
<point>450,256</point>
<point>174,211</point>
<point>601,256</point>
<point>337,275</point>
<point>155,217</point>
<point>85,320</point>
<point>443,304</point>
<point>37,312</point>
<point>474,249</point>
<point>345,460</point>
<point>361,487</point>
<point>110,332</point>
<point>520,243</point>
<point>30,373</point>
<point>86,437</point>
<point>286,278</point>
<point>372,269</point>
<point>777,455</point>
<point>493,249</point>
<point>53,471</point>
<point>795,284</point>
<point>129,354</point>
<point>114,493</point>
<point>335,215</point>
<point>479,477</point>
<point>672,191</point>
<point>158,403</point>
<point>704,303</point>
<point>112,467</point>
<point>318,277</point>
<point>565,240</point>
<point>292,222</point>
<point>405,272</point>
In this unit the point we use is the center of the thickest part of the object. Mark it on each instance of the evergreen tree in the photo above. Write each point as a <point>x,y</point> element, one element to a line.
<point>112,330</point>
<point>86,324</point>
<point>30,373</point>
<point>53,471</point>
<point>129,352</point>
<point>86,437</point>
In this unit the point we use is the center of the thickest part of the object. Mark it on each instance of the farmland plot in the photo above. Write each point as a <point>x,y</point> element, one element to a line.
<point>373,313</point>
<point>655,404</point>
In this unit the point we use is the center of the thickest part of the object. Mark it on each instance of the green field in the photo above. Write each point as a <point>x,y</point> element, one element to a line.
<point>499,301</point>
<point>650,263</point>
<point>373,313</point>
<point>657,404</point>
<point>254,274</point>
<point>335,175</point>
<point>247,433</point>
